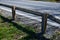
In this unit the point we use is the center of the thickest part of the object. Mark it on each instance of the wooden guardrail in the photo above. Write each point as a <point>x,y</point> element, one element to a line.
<point>44,16</point>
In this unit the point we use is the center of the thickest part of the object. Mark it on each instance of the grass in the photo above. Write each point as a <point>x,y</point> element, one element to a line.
<point>46,0</point>
<point>9,32</point>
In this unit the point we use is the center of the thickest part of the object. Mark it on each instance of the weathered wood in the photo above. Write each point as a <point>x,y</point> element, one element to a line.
<point>13,12</point>
<point>44,23</point>
<point>51,17</point>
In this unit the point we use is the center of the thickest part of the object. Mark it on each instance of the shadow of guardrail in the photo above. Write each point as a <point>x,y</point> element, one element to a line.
<point>31,33</point>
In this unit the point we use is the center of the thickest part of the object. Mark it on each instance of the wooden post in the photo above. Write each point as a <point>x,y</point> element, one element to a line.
<point>13,12</point>
<point>44,23</point>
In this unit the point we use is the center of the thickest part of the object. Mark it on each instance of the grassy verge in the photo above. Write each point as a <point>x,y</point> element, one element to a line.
<point>9,32</point>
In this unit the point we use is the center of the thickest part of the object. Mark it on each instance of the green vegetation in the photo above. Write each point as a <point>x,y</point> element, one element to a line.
<point>51,0</point>
<point>9,32</point>
<point>47,0</point>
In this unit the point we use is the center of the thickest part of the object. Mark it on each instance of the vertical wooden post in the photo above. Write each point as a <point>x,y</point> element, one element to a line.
<point>44,23</point>
<point>13,12</point>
